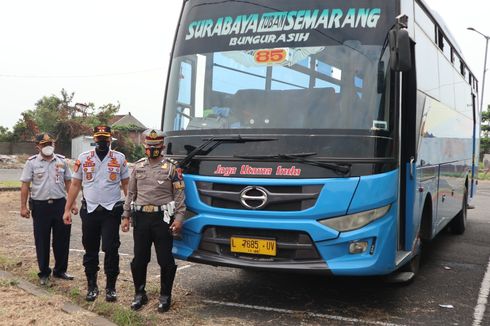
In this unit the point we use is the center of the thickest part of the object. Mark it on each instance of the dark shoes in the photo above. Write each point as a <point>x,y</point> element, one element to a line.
<point>110,295</point>
<point>44,280</point>
<point>164,303</point>
<point>92,294</point>
<point>140,299</point>
<point>64,276</point>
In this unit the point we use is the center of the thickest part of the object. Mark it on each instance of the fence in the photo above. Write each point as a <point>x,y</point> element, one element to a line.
<point>17,148</point>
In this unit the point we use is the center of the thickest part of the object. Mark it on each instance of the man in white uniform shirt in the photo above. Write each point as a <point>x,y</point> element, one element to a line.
<point>100,172</point>
<point>48,176</point>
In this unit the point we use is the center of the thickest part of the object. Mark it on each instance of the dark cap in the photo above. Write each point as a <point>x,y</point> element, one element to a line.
<point>44,138</point>
<point>153,137</point>
<point>103,131</point>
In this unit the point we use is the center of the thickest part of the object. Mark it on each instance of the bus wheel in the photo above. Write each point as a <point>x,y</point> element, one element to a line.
<point>458,224</point>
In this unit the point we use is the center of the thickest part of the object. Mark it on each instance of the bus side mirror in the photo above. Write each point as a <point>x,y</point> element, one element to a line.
<point>401,58</point>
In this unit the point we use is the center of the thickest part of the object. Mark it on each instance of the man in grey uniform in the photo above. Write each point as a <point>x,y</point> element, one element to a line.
<point>49,176</point>
<point>101,172</point>
<point>156,190</point>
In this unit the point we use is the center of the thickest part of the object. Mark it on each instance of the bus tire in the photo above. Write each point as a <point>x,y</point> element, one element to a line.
<point>458,224</point>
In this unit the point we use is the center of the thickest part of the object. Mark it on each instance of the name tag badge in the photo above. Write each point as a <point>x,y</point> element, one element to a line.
<point>58,179</point>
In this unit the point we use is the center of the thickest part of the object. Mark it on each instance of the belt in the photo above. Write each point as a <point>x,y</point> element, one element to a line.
<point>49,201</point>
<point>150,208</point>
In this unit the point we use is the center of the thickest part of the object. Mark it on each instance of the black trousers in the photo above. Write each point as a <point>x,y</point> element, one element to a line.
<point>148,229</point>
<point>46,217</point>
<point>96,226</point>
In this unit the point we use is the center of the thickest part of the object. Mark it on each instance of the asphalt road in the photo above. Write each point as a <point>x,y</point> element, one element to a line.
<point>446,291</point>
<point>449,290</point>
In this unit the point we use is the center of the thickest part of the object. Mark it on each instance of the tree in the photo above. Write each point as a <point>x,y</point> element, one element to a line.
<point>5,134</point>
<point>124,144</point>
<point>56,114</point>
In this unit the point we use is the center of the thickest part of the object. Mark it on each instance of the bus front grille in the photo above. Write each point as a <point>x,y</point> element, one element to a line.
<point>279,198</point>
<point>291,245</point>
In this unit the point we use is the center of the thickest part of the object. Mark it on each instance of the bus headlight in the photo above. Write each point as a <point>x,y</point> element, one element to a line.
<point>355,221</point>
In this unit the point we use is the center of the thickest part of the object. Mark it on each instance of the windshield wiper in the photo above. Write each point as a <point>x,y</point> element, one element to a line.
<point>299,158</point>
<point>216,141</point>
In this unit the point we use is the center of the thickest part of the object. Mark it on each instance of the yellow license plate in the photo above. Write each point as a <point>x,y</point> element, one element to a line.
<point>253,246</point>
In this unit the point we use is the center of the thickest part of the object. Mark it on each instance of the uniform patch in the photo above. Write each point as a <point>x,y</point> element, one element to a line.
<point>179,185</point>
<point>89,176</point>
<point>179,173</point>
<point>164,166</point>
<point>113,176</point>
<point>77,166</point>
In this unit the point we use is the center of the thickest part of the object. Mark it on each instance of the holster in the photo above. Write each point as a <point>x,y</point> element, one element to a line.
<point>118,209</point>
<point>134,219</point>
<point>84,204</point>
<point>30,203</point>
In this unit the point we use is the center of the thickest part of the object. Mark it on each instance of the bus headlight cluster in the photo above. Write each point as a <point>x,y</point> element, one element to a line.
<point>355,221</point>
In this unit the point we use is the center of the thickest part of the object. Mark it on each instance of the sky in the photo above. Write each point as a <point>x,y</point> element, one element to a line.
<point>109,51</point>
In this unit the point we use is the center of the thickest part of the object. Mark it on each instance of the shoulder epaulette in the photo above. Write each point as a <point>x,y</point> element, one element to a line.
<point>141,160</point>
<point>32,157</point>
<point>60,156</point>
<point>86,153</point>
<point>172,161</point>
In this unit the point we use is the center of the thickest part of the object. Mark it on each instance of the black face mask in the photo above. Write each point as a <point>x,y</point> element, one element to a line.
<point>153,152</point>
<point>102,146</point>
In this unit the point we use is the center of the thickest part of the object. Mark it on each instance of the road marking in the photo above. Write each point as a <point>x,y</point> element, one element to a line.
<point>311,314</point>
<point>482,298</point>
<point>178,268</point>
<point>183,267</point>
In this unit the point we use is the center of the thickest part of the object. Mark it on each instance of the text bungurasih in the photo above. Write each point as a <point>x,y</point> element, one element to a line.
<point>246,169</point>
<point>285,26</point>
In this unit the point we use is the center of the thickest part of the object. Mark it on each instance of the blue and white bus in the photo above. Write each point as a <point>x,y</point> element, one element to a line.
<point>318,136</point>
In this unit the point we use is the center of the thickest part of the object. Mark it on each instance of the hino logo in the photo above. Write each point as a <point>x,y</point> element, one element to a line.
<point>250,199</point>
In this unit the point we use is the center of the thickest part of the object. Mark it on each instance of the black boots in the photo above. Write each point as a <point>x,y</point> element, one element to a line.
<point>110,289</point>
<point>92,289</point>
<point>167,276</point>
<point>140,298</point>
<point>139,280</point>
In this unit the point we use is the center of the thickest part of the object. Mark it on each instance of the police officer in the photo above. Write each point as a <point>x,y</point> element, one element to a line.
<point>50,177</point>
<point>156,191</point>
<point>100,172</point>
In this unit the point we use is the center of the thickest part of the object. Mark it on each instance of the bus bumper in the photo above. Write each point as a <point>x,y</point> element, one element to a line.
<point>333,251</point>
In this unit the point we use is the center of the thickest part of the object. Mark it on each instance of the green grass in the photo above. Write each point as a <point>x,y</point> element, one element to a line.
<point>120,315</point>
<point>74,293</point>
<point>6,263</point>
<point>10,184</point>
<point>126,316</point>
<point>32,275</point>
<point>8,283</point>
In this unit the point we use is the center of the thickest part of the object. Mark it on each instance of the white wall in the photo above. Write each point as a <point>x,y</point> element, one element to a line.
<point>81,144</point>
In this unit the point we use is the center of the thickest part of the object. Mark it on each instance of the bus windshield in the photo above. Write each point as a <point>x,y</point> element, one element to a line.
<point>331,87</point>
<point>281,67</point>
